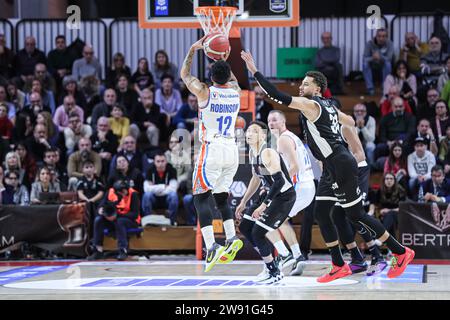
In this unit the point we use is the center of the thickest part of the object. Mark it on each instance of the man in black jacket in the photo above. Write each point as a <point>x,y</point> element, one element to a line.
<point>136,158</point>
<point>105,143</point>
<point>27,58</point>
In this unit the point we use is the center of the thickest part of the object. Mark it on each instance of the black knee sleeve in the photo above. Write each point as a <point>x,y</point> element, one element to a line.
<point>344,228</point>
<point>223,206</point>
<point>261,242</point>
<point>357,215</point>
<point>363,232</point>
<point>202,203</point>
<point>246,227</point>
<point>322,214</point>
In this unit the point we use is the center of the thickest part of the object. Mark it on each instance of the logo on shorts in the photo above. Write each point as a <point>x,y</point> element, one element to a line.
<point>238,189</point>
<point>358,191</point>
<point>334,186</point>
<point>277,224</point>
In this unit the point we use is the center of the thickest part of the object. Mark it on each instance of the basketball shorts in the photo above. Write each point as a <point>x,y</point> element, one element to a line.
<point>215,167</point>
<point>305,192</point>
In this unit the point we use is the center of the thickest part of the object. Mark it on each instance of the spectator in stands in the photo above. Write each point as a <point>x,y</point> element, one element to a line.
<point>47,97</point>
<point>75,132</point>
<point>15,96</point>
<point>148,118</point>
<point>378,56</point>
<point>103,109</point>
<point>43,183</point>
<point>136,158</point>
<point>27,58</point>
<point>23,128</point>
<point>396,125</point>
<point>444,152</point>
<point>445,94</point>
<point>90,87</point>
<point>188,199</point>
<point>89,188</point>
<point>387,200</point>
<point>105,143</point>
<point>58,170</point>
<point>365,126</point>
<point>87,66</point>
<point>426,110</point>
<point>168,97</point>
<point>262,107</point>
<point>126,96</point>
<point>117,69</point>
<point>27,161</point>
<point>119,124</point>
<point>45,118</point>
<point>11,107</point>
<point>59,59</point>
<point>386,105</point>
<point>12,163</point>
<point>432,64</point>
<point>163,66</point>
<point>38,143</point>
<point>404,80</point>
<point>441,121</point>
<point>187,115</point>
<point>47,80</point>
<point>6,60</point>
<point>412,51</point>
<point>118,211</point>
<point>6,126</point>
<point>436,189</point>
<point>445,77</point>
<point>424,131</point>
<point>123,171</point>
<point>179,159</point>
<point>420,163</point>
<point>61,117</point>
<point>14,192</point>
<point>396,164</point>
<point>76,160</point>
<point>327,61</point>
<point>160,189</point>
<point>142,78</point>
<point>70,88</point>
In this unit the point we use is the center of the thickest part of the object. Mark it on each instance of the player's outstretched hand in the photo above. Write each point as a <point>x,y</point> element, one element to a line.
<point>199,44</point>
<point>239,209</point>
<point>249,61</point>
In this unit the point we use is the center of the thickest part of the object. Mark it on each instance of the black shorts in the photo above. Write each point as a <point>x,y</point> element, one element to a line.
<point>276,213</point>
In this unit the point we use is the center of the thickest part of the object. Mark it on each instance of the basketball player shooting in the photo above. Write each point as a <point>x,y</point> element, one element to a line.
<point>321,121</point>
<point>218,158</point>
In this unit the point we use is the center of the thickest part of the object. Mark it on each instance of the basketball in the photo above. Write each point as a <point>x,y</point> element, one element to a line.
<point>216,46</point>
<point>240,123</point>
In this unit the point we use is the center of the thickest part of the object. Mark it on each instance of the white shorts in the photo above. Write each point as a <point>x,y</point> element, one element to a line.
<point>305,195</point>
<point>215,168</point>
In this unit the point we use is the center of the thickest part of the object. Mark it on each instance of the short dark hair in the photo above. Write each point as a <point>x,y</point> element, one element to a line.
<point>437,168</point>
<point>60,37</point>
<point>261,124</point>
<point>220,72</point>
<point>74,114</point>
<point>319,79</point>
<point>160,154</point>
<point>88,162</point>
<point>165,76</point>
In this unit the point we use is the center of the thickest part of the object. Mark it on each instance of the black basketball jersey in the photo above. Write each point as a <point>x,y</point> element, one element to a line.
<point>323,135</point>
<point>261,171</point>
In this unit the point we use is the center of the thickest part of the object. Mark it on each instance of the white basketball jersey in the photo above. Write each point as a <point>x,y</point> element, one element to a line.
<point>305,172</point>
<point>218,117</point>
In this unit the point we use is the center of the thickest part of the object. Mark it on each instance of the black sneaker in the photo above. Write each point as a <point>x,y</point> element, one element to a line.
<point>299,266</point>
<point>97,255</point>
<point>122,256</point>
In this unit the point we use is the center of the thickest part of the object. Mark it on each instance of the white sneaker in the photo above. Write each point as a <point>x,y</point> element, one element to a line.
<point>285,262</point>
<point>262,275</point>
<point>272,278</point>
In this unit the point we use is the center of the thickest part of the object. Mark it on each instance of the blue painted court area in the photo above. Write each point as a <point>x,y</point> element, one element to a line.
<point>27,272</point>
<point>413,274</point>
<point>172,282</point>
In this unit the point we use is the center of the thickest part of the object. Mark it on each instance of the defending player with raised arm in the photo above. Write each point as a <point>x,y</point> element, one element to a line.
<point>218,159</point>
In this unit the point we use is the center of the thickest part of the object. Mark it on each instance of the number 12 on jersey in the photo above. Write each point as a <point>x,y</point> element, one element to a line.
<point>224,122</point>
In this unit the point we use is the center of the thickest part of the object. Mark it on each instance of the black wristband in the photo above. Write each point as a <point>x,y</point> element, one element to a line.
<point>275,188</point>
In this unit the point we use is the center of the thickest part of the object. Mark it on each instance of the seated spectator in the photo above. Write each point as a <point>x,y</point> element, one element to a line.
<point>432,64</point>
<point>11,107</point>
<point>61,117</point>
<point>126,96</point>
<point>90,88</point>
<point>424,131</point>
<point>118,211</point>
<point>27,161</point>
<point>47,97</point>
<point>397,125</point>
<point>6,126</point>
<point>38,143</point>
<point>103,109</point>
<point>160,189</point>
<point>142,78</point>
<point>403,79</point>
<point>386,105</point>
<point>59,59</point>
<point>412,51</point>
<point>119,124</point>
<point>75,132</point>
<point>188,200</point>
<point>168,97</point>
<point>162,66</point>
<point>426,110</point>
<point>6,60</point>
<point>35,107</point>
<point>327,61</point>
<point>387,200</point>
<point>15,96</point>
<point>378,56</point>
<point>14,192</point>
<point>123,171</point>
<point>76,160</point>
<point>444,152</point>
<point>445,77</point>
<point>47,81</point>
<point>436,189</point>
<point>70,88</point>
<point>118,68</point>
<point>105,143</point>
<point>148,118</point>
<point>136,158</point>
<point>12,163</point>
<point>89,188</point>
<point>262,107</point>
<point>365,126</point>
<point>45,118</point>
<point>180,160</point>
<point>445,94</point>
<point>396,164</point>
<point>87,66</point>
<point>58,170</point>
<point>441,121</point>
<point>187,116</point>
<point>420,163</point>
<point>27,58</point>
<point>43,183</point>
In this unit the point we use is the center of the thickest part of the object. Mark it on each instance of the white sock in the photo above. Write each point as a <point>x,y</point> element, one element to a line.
<point>296,250</point>
<point>230,230</point>
<point>281,248</point>
<point>208,236</point>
